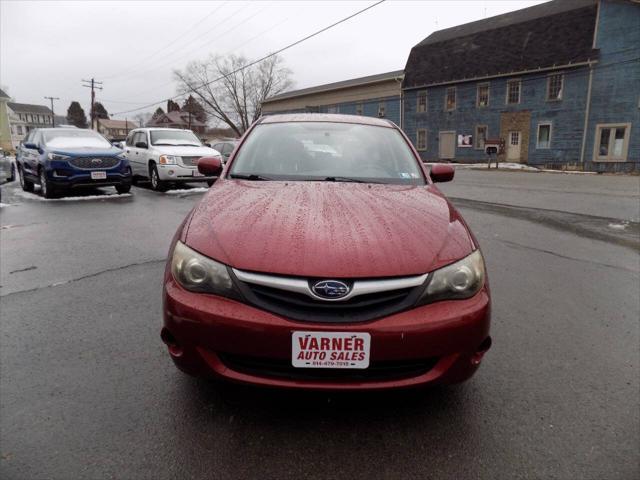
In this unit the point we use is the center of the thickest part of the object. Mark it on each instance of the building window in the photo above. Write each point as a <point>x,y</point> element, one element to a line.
<point>450,99</point>
<point>333,109</point>
<point>483,95</point>
<point>481,136</point>
<point>422,102</point>
<point>554,87</point>
<point>513,91</point>
<point>421,139</point>
<point>612,142</point>
<point>19,129</point>
<point>381,109</point>
<point>544,135</point>
<point>359,108</point>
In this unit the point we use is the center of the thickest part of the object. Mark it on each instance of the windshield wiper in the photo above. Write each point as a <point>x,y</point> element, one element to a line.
<point>347,179</point>
<point>251,176</point>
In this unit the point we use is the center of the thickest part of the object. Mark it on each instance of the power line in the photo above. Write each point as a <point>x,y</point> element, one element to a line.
<point>177,39</point>
<point>260,34</point>
<point>171,53</point>
<point>291,45</point>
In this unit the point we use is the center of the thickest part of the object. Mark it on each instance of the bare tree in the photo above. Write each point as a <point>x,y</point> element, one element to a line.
<point>235,99</point>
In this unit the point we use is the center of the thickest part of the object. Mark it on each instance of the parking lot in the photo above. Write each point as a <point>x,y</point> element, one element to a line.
<point>87,389</point>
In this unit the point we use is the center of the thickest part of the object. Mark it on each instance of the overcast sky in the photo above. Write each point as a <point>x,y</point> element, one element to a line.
<point>47,48</point>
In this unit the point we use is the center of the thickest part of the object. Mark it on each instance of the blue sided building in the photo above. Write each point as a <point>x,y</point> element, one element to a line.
<point>559,83</point>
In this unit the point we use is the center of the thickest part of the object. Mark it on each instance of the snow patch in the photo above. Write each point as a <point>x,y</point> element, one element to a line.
<point>190,191</point>
<point>106,196</point>
<point>619,226</point>
<point>3,205</point>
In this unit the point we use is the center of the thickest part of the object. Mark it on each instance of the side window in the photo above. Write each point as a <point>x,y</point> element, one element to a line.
<point>37,138</point>
<point>29,136</point>
<point>227,149</point>
<point>129,141</point>
<point>218,147</point>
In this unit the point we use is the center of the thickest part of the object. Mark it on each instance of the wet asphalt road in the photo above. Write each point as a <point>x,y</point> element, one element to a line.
<point>87,390</point>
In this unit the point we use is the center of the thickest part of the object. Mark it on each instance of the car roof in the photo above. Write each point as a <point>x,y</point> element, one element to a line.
<point>326,117</point>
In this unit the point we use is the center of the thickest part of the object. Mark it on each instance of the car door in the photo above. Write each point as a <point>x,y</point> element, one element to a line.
<point>31,155</point>
<point>135,156</point>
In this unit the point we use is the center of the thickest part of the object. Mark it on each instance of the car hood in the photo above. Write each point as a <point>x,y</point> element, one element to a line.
<point>183,151</point>
<point>86,151</point>
<point>326,229</point>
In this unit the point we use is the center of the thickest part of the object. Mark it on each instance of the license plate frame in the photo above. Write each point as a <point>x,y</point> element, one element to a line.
<point>331,350</point>
<point>100,175</point>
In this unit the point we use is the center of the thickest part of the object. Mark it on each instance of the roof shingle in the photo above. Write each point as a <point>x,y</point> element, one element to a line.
<point>554,33</point>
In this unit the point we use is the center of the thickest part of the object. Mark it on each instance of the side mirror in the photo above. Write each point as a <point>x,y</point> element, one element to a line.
<point>210,166</point>
<point>30,146</point>
<point>142,145</point>
<point>441,173</point>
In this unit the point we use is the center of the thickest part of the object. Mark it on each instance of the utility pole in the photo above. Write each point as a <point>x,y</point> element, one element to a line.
<point>93,85</point>
<point>53,114</point>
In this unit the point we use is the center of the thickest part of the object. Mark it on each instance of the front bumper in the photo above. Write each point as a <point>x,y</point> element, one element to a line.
<point>223,338</point>
<point>84,180</point>
<point>179,173</point>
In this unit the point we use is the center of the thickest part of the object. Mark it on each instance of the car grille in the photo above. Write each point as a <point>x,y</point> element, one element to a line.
<point>299,306</point>
<point>190,161</point>
<point>377,371</point>
<point>88,163</point>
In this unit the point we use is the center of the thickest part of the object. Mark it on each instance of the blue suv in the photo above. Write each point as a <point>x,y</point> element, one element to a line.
<point>61,159</point>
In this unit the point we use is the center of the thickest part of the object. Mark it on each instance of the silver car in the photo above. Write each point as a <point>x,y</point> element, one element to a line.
<point>7,168</point>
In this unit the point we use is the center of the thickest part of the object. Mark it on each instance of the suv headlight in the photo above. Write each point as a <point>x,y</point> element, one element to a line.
<point>462,279</point>
<point>57,156</point>
<point>168,159</point>
<point>198,273</point>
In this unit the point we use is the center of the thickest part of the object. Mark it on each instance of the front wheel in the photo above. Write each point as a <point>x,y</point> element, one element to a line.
<point>157,184</point>
<point>26,185</point>
<point>123,188</point>
<point>47,190</point>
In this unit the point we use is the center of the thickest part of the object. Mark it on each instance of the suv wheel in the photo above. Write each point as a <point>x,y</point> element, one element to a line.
<point>26,185</point>
<point>157,184</point>
<point>47,190</point>
<point>125,188</point>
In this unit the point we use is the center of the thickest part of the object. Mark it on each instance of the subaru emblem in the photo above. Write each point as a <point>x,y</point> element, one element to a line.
<point>330,289</point>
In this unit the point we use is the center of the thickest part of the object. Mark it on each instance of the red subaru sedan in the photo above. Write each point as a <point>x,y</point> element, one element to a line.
<point>324,257</point>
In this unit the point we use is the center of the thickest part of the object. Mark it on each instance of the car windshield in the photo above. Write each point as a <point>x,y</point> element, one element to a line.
<point>174,137</point>
<point>327,151</point>
<point>75,138</point>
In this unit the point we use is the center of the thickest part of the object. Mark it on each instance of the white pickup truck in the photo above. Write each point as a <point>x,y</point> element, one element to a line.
<point>166,156</point>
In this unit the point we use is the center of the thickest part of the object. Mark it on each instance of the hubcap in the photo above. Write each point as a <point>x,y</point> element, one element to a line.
<point>154,179</point>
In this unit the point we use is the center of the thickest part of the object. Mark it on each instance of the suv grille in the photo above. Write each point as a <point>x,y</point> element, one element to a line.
<point>377,371</point>
<point>299,306</point>
<point>190,161</point>
<point>94,162</point>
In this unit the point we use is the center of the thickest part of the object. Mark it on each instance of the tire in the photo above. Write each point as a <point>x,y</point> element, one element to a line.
<point>157,184</point>
<point>46,189</point>
<point>13,173</point>
<point>26,185</point>
<point>125,188</point>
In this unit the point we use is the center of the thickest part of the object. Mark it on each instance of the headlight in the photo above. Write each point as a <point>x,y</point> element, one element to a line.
<point>168,159</point>
<point>198,273</point>
<point>462,279</point>
<point>56,156</point>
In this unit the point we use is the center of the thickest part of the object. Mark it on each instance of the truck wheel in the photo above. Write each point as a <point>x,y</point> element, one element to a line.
<point>26,185</point>
<point>157,184</point>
